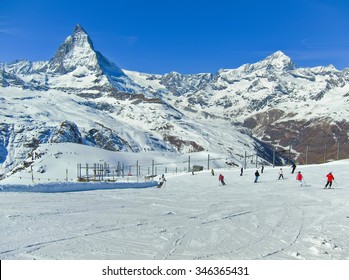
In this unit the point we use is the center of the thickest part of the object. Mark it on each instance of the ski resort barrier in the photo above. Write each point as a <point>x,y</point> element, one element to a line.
<point>105,172</point>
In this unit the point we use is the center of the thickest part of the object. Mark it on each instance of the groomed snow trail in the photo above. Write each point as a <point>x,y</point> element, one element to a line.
<point>192,217</point>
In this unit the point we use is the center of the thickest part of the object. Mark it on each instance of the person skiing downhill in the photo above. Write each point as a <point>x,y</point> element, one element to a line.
<point>299,178</point>
<point>162,180</point>
<point>281,174</point>
<point>330,178</point>
<point>221,179</point>
<point>256,174</point>
<point>293,168</point>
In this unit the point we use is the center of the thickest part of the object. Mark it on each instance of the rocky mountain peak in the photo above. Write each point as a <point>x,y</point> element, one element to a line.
<point>77,53</point>
<point>78,28</point>
<point>275,62</point>
<point>279,61</point>
<point>76,50</point>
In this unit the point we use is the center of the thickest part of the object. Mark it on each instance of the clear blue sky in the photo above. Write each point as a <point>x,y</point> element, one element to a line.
<point>158,36</point>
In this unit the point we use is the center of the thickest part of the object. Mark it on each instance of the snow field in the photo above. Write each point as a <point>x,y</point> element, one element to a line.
<point>191,218</point>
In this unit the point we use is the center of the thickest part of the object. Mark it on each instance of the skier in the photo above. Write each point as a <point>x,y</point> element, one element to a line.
<point>281,174</point>
<point>162,180</point>
<point>221,179</point>
<point>257,175</point>
<point>212,172</point>
<point>293,167</point>
<point>262,169</point>
<point>299,178</point>
<point>241,171</point>
<point>330,178</point>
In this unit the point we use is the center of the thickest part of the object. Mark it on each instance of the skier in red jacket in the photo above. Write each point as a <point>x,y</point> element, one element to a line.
<point>299,178</point>
<point>330,178</point>
<point>221,179</point>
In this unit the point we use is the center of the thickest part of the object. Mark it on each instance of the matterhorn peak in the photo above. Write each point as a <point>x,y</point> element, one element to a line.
<point>78,54</point>
<point>79,28</point>
<point>76,50</point>
<point>81,37</point>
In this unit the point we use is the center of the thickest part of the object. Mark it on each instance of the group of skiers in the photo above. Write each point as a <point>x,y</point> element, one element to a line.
<point>299,177</point>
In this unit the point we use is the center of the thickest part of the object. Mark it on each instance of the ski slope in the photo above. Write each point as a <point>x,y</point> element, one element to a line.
<point>191,218</point>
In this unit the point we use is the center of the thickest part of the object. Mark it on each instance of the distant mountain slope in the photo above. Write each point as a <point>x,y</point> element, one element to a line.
<point>281,104</point>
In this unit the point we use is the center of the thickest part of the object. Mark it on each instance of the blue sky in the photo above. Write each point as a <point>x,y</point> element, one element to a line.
<point>186,36</point>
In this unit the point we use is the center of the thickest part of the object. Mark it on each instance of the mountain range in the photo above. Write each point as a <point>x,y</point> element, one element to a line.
<point>80,96</point>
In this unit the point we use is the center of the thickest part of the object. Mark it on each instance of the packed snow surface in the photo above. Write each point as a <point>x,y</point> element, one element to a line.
<point>191,217</point>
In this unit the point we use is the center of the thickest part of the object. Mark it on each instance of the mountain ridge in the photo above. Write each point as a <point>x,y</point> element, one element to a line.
<point>270,103</point>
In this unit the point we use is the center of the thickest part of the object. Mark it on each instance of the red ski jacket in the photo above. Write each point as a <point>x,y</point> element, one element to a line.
<point>299,177</point>
<point>330,177</point>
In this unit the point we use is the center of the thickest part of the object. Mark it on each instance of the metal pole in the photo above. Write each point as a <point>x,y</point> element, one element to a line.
<point>273,158</point>
<point>325,154</point>
<point>31,170</point>
<point>245,160</point>
<point>306,154</point>
<point>338,151</point>
<point>188,163</point>
<point>94,171</point>
<point>208,162</point>
<point>87,172</point>
<point>289,155</point>
<point>79,171</point>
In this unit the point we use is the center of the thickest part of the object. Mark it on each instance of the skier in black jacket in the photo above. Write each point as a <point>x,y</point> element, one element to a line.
<point>257,175</point>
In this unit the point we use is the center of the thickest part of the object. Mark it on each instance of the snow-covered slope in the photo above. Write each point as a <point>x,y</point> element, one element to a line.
<point>34,117</point>
<point>191,217</point>
<point>59,161</point>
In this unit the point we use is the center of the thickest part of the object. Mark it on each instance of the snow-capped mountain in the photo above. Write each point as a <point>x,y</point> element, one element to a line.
<point>80,96</point>
<point>75,68</point>
<point>285,106</point>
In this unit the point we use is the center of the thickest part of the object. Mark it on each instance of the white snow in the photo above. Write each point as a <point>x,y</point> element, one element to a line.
<point>191,217</point>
